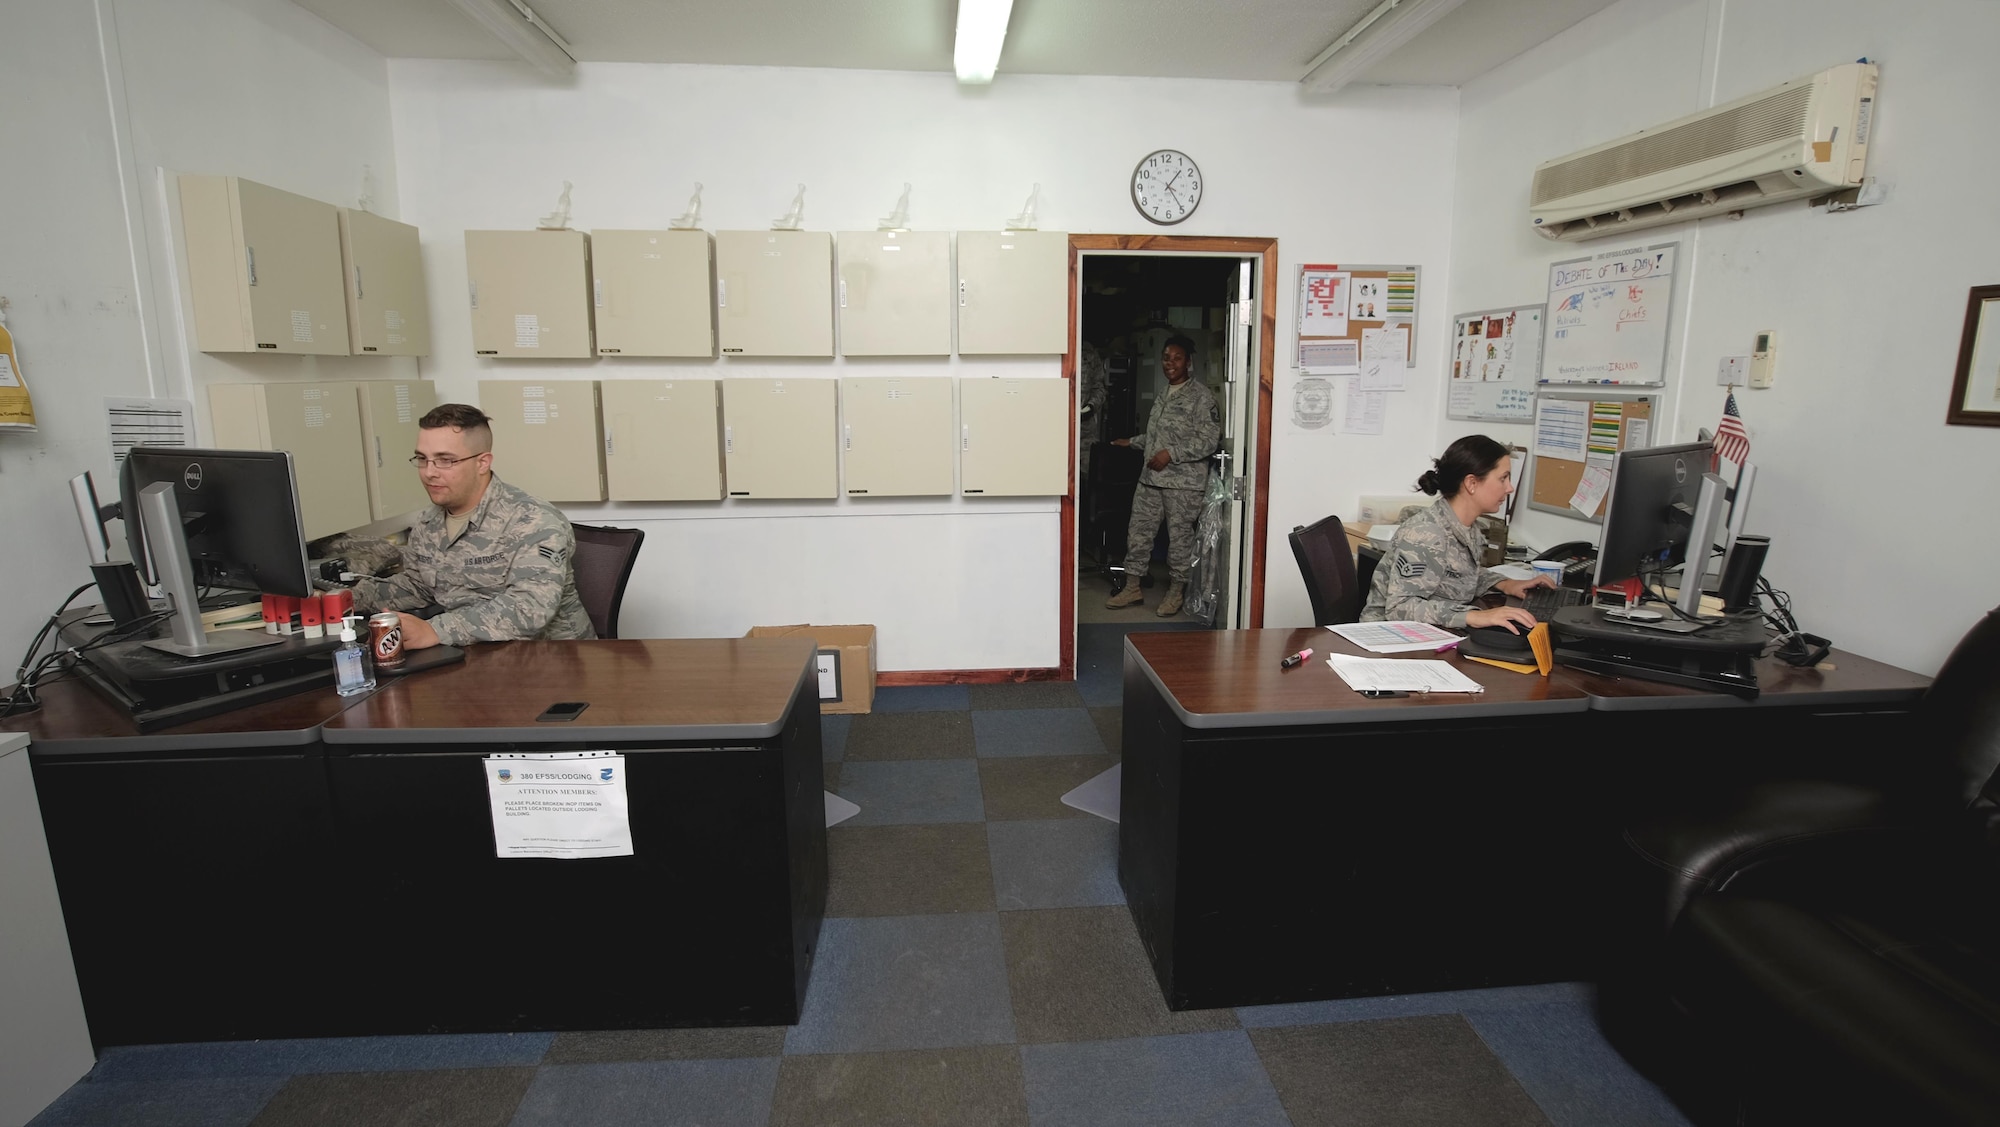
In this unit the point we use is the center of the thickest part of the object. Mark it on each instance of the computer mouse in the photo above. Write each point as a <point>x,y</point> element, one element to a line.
<point>1498,638</point>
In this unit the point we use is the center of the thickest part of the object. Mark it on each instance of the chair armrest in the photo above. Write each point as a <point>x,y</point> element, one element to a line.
<point>1704,848</point>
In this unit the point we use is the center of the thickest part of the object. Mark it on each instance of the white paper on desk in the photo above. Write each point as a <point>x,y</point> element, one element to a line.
<point>1401,675</point>
<point>559,804</point>
<point>1514,571</point>
<point>1394,637</point>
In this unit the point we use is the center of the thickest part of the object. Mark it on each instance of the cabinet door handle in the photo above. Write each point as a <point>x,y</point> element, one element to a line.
<point>250,261</point>
<point>359,293</point>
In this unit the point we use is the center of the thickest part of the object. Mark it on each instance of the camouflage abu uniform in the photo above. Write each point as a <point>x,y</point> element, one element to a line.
<point>1187,422</point>
<point>1431,572</point>
<point>1094,380</point>
<point>507,575</point>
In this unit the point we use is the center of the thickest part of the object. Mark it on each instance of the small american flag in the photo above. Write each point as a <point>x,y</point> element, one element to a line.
<point>1731,440</point>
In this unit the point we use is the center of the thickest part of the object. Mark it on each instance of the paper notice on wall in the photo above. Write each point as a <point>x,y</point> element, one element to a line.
<point>1402,289</point>
<point>1329,357</point>
<point>1561,426</point>
<point>535,412</point>
<point>1368,300</point>
<point>1363,411</point>
<point>1386,344</point>
<point>1323,294</point>
<point>403,411</point>
<point>1591,487</point>
<point>1383,375</point>
<point>315,415</point>
<point>392,325</point>
<point>527,330</point>
<point>1312,404</point>
<point>147,422</point>
<point>302,327</point>
<point>561,804</point>
<point>1637,433</point>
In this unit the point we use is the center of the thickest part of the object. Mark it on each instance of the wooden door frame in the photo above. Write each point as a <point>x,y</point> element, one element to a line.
<point>1219,245</point>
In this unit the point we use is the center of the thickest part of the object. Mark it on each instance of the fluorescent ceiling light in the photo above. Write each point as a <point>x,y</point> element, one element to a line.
<point>1392,24</point>
<point>982,28</point>
<point>524,33</point>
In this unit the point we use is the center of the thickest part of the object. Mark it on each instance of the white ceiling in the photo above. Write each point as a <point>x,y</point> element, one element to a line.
<point>1267,40</point>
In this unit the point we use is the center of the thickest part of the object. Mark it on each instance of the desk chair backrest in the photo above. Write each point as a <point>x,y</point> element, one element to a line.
<point>603,563</point>
<point>1326,563</point>
<point>1960,717</point>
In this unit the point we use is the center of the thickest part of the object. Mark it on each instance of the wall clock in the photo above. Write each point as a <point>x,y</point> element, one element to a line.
<point>1166,187</point>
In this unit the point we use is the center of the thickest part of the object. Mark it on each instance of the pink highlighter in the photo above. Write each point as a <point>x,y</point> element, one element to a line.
<point>1295,659</point>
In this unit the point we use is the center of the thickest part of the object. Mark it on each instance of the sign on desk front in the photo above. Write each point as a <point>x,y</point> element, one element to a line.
<point>559,804</point>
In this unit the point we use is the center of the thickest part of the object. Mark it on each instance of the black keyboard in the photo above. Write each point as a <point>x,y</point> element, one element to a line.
<point>1544,602</point>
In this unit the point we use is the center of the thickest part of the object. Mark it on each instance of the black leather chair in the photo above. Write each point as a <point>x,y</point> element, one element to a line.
<point>1821,952</point>
<point>603,563</point>
<point>1326,563</point>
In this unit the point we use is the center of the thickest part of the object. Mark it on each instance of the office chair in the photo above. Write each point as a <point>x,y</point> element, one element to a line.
<point>1326,563</point>
<point>603,563</point>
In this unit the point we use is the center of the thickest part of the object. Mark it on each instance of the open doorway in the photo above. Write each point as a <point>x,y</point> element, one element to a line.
<point>1132,307</point>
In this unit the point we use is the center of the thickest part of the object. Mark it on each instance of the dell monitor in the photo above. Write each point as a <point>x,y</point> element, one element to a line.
<point>1662,500</point>
<point>213,518</point>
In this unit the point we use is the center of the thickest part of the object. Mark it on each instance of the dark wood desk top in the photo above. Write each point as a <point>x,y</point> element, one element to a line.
<point>673,689</point>
<point>1231,679</point>
<point>76,720</point>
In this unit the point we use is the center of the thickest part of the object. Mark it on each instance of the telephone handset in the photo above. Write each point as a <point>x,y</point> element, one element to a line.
<point>1579,560</point>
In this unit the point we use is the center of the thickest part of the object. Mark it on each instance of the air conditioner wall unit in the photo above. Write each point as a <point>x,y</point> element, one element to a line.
<point>1806,137</point>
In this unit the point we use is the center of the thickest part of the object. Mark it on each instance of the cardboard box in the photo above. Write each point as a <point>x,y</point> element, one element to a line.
<point>1387,508</point>
<point>846,663</point>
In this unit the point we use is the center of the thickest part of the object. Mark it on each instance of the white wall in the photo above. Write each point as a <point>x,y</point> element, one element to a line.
<point>99,99</point>
<point>1879,514</point>
<point>949,584</point>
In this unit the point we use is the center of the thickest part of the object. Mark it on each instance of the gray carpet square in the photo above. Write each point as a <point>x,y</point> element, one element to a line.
<point>1081,974</point>
<point>919,870</point>
<point>1414,1071</point>
<point>978,1087</point>
<point>706,1093</point>
<point>1036,731</point>
<point>292,1056</point>
<point>1558,1053</point>
<point>911,735</point>
<point>1033,786</point>
<point>460,1097</point>
<point>226,1102</point>
<point>892,794</point>
<point>1110,723</point>
<point>1072,863</point>
<point>1415,1005</point>
<point>920,698</point>
<point>1196,1080</point>
<point>905,982</point>
<point>1026,694</point>
<point>603,1046</point>
<point>830,776</point>
<point>833,737</point>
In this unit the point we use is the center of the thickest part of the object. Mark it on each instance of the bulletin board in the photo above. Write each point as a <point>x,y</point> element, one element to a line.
<point>1576,434</point>
<point>1607,317</point>
<point>1495,360</point>
<point>1357,321</point>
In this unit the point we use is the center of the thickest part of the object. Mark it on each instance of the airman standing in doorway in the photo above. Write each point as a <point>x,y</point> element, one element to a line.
<point>1183,430</point>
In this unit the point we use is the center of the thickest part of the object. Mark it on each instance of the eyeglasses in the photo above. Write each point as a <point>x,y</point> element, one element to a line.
<point>419,461</point>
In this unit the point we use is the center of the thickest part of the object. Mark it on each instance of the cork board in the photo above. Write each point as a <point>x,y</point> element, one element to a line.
<point>1347,316</point>
<point>1578,431</point>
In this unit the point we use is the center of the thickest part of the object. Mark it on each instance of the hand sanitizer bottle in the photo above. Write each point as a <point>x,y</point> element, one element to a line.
<point>352,673</point>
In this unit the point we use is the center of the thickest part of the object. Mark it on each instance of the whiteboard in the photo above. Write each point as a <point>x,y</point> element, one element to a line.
<point>1607,320</point>
<point>1495,360</point>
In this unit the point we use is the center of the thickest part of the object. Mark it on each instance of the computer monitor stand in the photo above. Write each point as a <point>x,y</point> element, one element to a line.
<point>167,544</point>
<point>1709,511</point>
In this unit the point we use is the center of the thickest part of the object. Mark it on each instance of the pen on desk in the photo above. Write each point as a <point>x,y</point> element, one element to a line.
<point>1296,659</point>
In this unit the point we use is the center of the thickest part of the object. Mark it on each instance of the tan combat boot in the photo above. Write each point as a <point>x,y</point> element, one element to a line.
<point>1127,595</point>
<point>1171,605</point>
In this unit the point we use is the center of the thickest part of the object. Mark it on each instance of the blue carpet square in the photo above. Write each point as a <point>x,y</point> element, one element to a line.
<point>1036,731</point>
<point>1190,1080</point>
<point>1411,1005</point>
<point>321,1054</point>
<point>1070,863</point>
<point>705,1093</point>
<point>923,698</point>
<point>909,791</point>
<point>833,737</point>
<point>1099,688</point>
<point>905,982</point>
<point>1560,1057</point>
<point>232,1102</point>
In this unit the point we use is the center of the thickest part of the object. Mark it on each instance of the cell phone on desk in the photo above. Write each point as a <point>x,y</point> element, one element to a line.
<point>1378,694</point>
<point>562,711</point>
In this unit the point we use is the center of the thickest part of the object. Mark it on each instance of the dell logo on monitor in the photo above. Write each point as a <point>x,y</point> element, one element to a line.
<point>1680,471</point>
<point>191,477</point>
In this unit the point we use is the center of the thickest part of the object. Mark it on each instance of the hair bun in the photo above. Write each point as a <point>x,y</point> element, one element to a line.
<point>1428,482</point>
